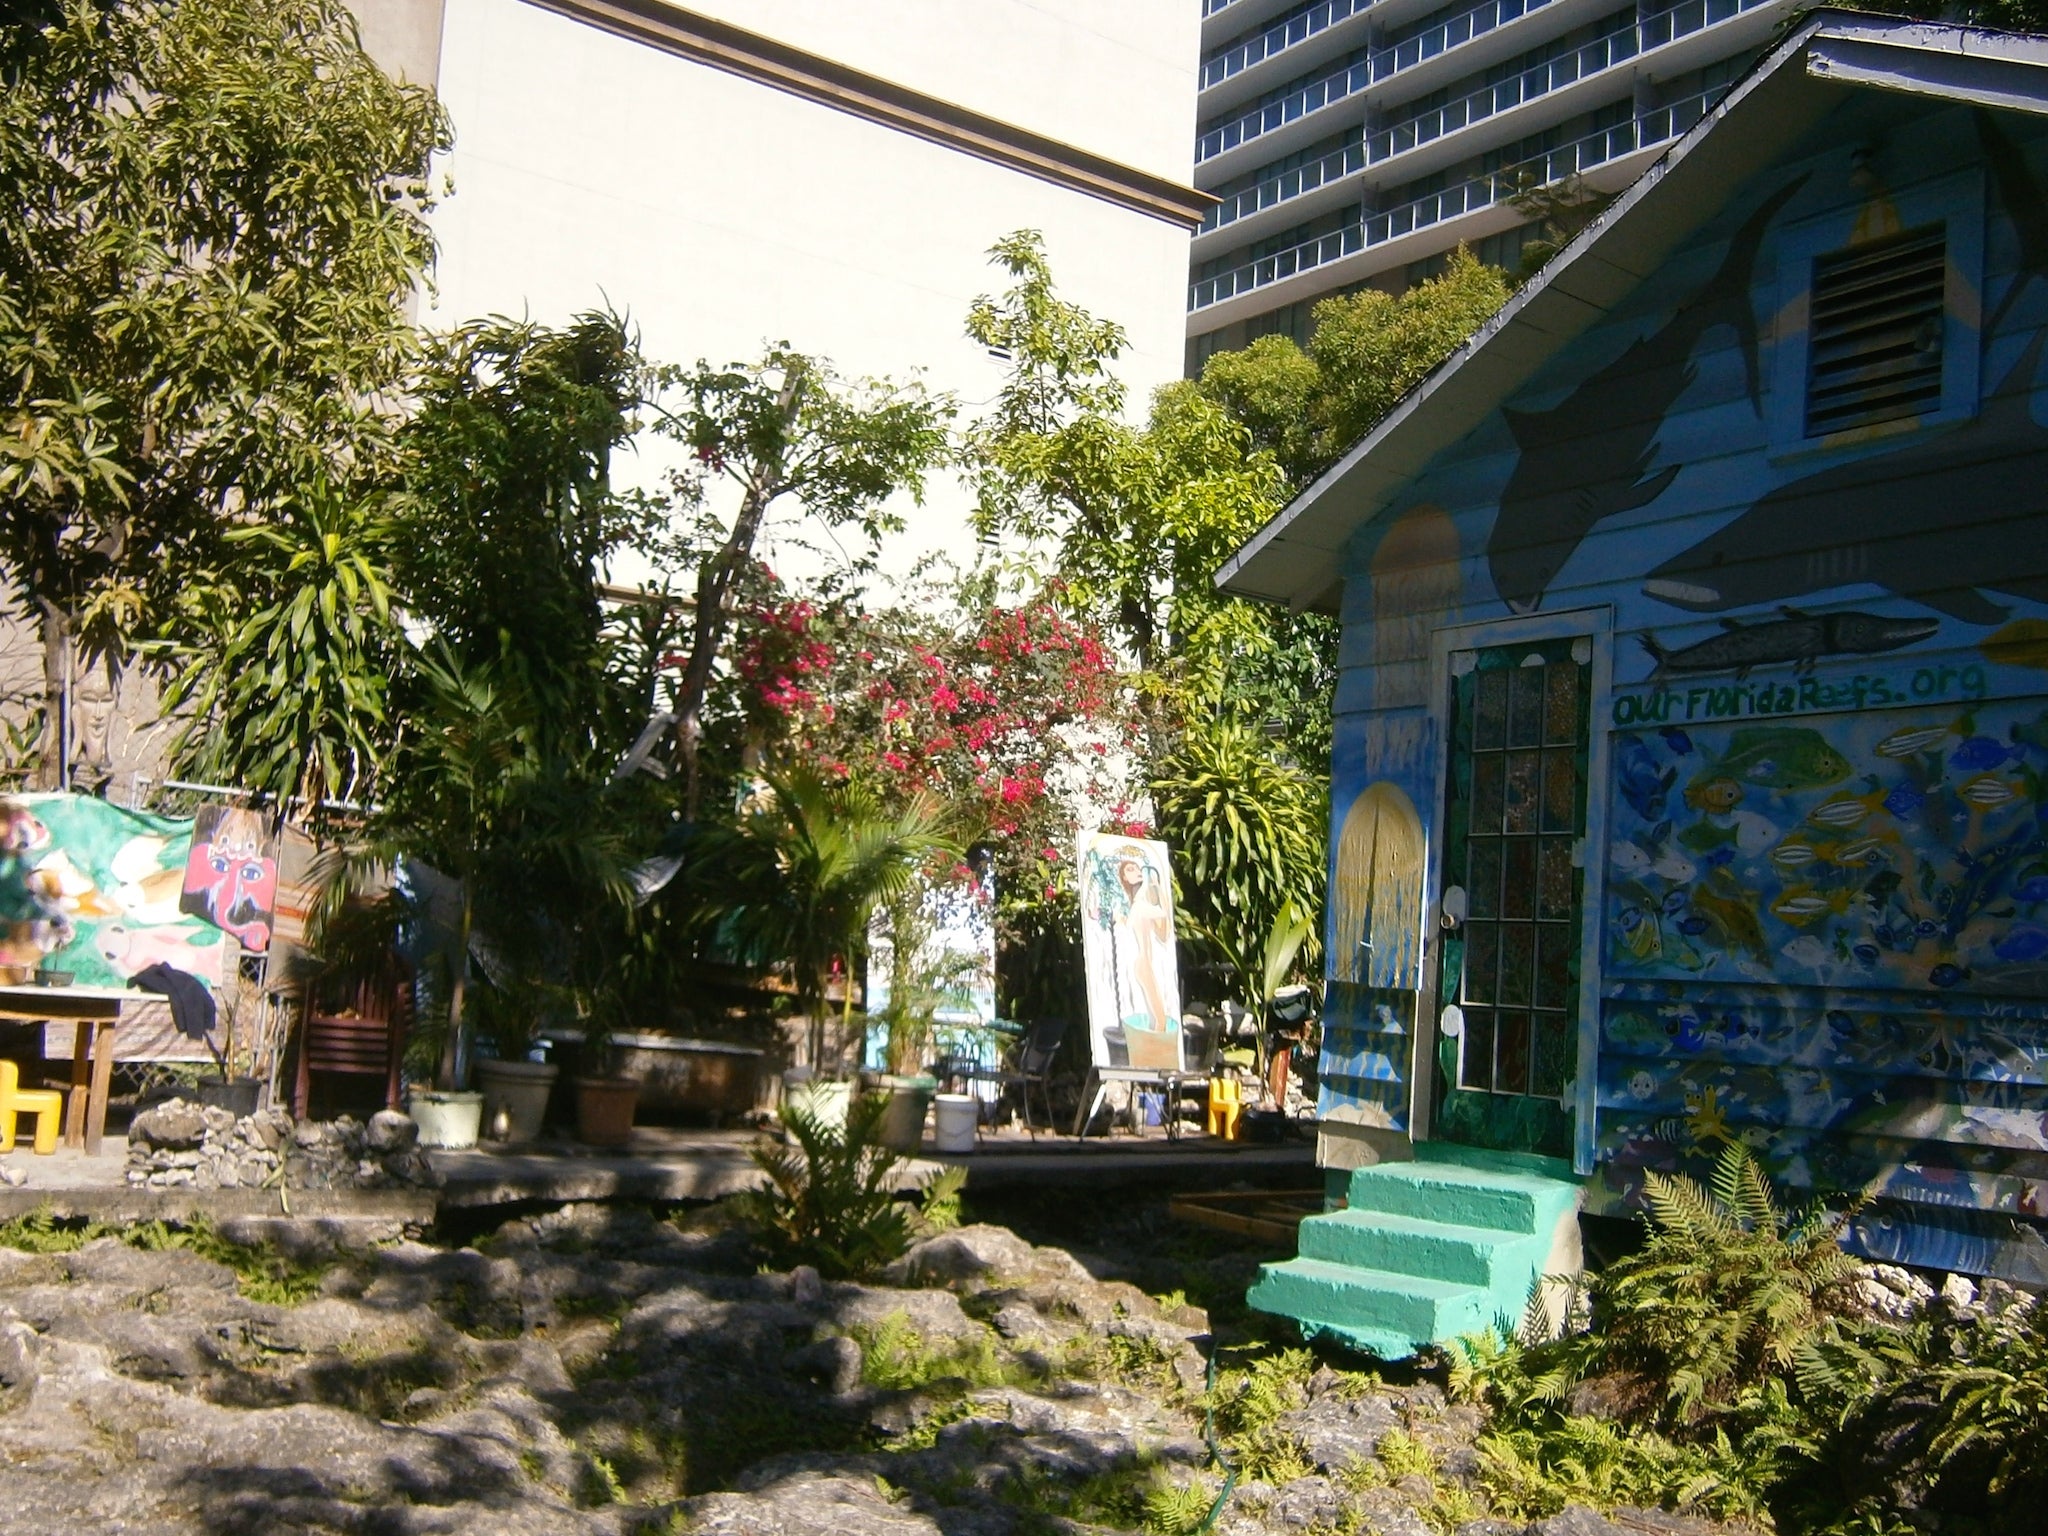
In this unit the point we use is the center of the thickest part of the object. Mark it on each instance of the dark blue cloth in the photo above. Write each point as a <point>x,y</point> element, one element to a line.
<point>191,1004</point>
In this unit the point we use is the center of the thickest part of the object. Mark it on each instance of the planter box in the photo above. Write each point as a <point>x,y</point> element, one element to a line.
<point>705,1077</point>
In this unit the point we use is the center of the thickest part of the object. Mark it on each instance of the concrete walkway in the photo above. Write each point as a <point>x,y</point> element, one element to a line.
<point>661,1164</point>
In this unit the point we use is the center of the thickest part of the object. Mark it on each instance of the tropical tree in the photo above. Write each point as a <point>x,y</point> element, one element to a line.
<point>214,223</point>
<point>798,878</point>
<point>291,699</point>
<point>510,517</point>
<point>1306,406</point>
<point>1248,833</point>
<point>784,428</point>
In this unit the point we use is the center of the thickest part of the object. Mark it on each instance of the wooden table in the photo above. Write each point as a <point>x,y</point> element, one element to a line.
<point>96,1012</point>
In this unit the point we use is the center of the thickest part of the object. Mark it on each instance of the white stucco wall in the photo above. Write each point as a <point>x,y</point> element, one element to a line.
<point>1115,77</point>
<point>723,214</point>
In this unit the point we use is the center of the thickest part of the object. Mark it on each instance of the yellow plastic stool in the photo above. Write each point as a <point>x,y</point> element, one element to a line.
<point>47,1106</point>
<point>1226,1103</point>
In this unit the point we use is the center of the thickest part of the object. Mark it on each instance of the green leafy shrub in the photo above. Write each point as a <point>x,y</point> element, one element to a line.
<point>832,1200</point>
<point>1727,1370</point>
<point>1946,1419</point>
<point>1720,1298</point>
<point>1248,1405</point>
<point>896,1357</point>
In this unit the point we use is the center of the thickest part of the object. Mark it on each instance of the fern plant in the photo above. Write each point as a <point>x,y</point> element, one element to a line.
<point>1722,1295</point>
<point>832,1200</point>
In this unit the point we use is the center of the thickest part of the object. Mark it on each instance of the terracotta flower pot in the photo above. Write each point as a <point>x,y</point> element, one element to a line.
<point>604,1110</point>
<point>515,1097</point>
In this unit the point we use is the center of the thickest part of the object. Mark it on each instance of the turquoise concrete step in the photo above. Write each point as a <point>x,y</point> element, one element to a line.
<point>1413,1245</point>
<point>1506,1201</point>
<point>1448,1244</point>
<point>1317,1292</point>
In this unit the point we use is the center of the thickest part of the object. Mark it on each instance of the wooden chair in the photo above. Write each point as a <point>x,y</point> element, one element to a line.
<point>363,1038</point>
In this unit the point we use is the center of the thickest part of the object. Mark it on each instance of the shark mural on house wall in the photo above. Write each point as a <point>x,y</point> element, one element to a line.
<point>1551,501</point>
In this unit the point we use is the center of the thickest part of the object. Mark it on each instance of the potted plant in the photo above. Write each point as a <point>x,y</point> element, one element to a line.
<point>914,994</point>
<point>238,1088</point>
<point>515,1087</point>
<point>800,878</point>
<point>605,1098</point>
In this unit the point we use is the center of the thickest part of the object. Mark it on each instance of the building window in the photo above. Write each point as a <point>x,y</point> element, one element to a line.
<point>1875,331</point>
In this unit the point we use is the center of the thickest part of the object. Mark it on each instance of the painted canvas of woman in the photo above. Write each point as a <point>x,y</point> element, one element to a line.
<point>1127,943</point>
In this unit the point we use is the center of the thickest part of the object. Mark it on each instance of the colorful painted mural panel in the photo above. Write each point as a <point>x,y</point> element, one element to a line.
<point>1900,849</point>
<point>231,875</point>
<point>114,878</point>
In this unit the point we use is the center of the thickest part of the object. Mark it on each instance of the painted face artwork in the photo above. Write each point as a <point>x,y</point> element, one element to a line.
<point>231,878</point>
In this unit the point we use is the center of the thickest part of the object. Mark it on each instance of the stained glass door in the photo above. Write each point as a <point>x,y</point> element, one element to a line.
<point>1512,886</point>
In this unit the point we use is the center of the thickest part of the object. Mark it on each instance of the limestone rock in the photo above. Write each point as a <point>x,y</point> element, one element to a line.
<point>805,1505</point>
<point>986,1254</point>
<point>390,1131</point>
<point>1335,1431</point>
<point>177,1124</point>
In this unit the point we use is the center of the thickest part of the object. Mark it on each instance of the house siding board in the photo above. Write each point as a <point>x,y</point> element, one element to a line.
<point>1830,1040</point>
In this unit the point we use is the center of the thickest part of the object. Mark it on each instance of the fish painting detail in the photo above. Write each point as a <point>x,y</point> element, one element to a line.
<point>1800,638</point>
<point>1782,757</point>
<point>1567,481</point>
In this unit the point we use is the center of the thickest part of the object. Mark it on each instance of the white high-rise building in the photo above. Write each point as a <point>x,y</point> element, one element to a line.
<point>828,173</point>
<point>1352,143</point>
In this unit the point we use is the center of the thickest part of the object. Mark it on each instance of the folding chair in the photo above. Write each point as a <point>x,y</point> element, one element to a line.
<point>1033,1064</point>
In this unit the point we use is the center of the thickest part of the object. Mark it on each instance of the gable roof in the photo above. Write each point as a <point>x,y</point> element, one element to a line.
<point>1297,558</point>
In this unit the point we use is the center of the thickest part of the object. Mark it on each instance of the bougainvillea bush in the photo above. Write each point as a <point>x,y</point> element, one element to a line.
<point>1016,712</point>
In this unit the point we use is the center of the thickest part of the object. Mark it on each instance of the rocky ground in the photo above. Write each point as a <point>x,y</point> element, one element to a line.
<point>605,1370</point>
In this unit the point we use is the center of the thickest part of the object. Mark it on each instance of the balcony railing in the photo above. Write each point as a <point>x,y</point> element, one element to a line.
<point>1337,164</point>
<point>1580,63</point>
<point>1651,32</point>
<point>1452,32</point>
<point>1278,39</point>
<point>1614,49</point>
<point>1211,7</point>
<point>1646,132</point>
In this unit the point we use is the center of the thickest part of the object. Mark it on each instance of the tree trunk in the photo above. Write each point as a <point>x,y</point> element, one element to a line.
<point>714,590</point>
<point>56,628</point>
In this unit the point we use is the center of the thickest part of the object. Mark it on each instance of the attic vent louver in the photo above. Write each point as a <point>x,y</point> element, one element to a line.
<point>1874,349</point>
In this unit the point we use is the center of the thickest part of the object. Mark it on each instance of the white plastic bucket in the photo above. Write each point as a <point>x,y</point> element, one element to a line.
<point>954,1121</point>
<point>446,1119</point>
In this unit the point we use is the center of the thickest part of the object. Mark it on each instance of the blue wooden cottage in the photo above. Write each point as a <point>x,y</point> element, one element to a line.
<point>1691,776</point>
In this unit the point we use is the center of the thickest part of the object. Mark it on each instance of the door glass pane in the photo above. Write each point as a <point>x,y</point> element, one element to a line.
<point>1554,879</point>
<point>1560,705</point>
<point>1487,793</point>
<point>1518,883</point>
<point>1560,790</point>
<point>1478,1052</point>
<point>1490,710</point>
<point>1554,946</point>
<point>1523,771</point>
<point>1517,963</point>
<point>1525,707</point>
<point>1482,890</point>
<point>1481,964</point>
<point>1511,1054</point>
<point>1553,1055</point>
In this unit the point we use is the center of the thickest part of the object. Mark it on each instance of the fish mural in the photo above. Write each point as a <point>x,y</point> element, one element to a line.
<point>1798,638</point>
<point>2022,643</point>
<point>1902,849</point>
<point>1565,481</point>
